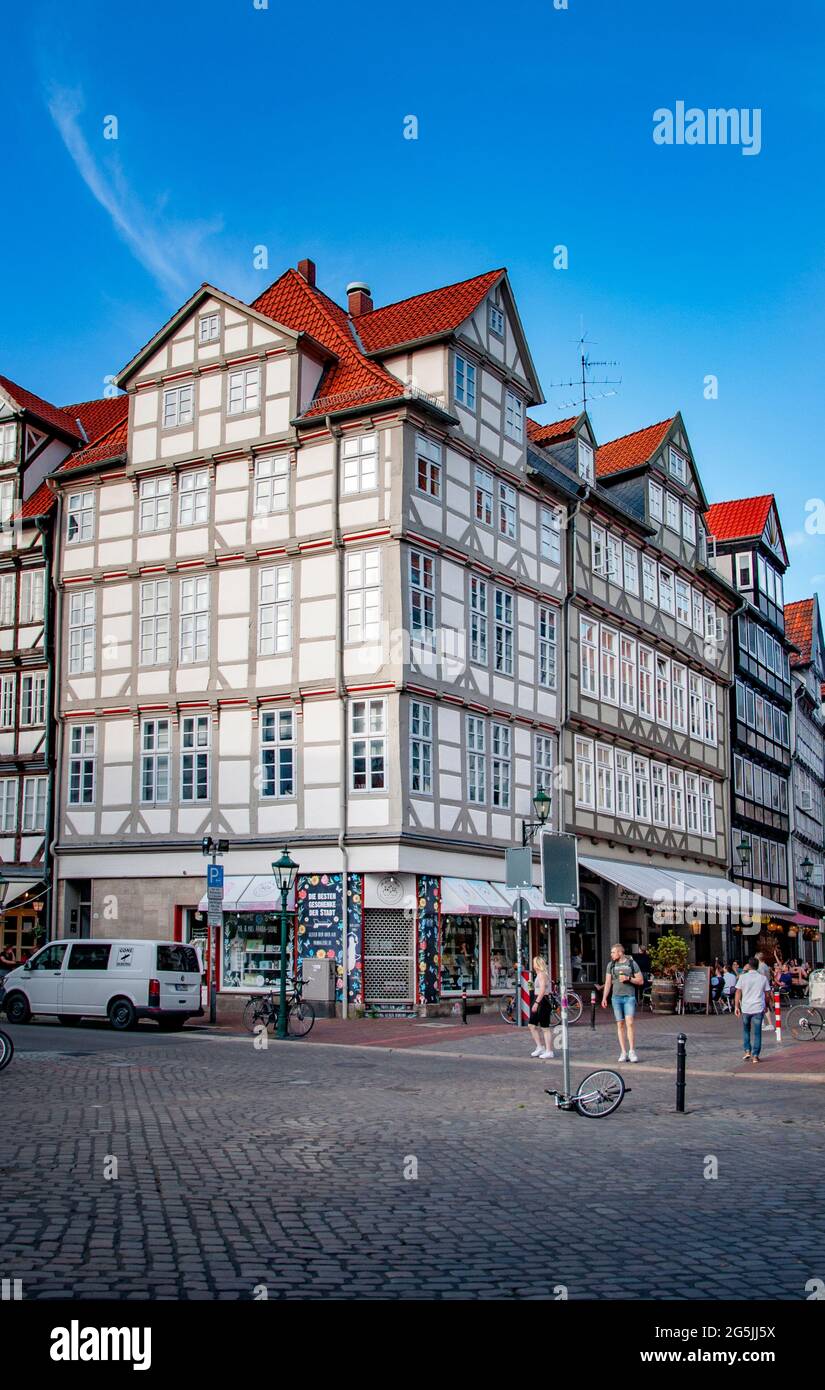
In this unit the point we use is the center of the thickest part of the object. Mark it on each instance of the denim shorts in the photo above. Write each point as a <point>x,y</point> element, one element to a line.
<point>624,1006</point>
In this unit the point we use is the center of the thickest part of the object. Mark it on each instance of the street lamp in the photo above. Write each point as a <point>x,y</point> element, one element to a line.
<point>743,849</point>
<point>542,805</point>
<point>284,871</point>
<point>807,868</point>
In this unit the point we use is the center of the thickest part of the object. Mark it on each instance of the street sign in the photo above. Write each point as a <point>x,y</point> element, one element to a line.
<point>521,911</point>
<point>519,868</point>
<point>214,916</point>
<point>214,876</point>
<point>559,869</point>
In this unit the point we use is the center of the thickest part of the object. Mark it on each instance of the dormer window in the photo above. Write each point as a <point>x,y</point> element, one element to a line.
<point>495,319</point>
<point>744,574</point>
<point>8,443</point>
<point>656,502</point>
<point>465,382</point>
<point>209,328</point>
<point>585,457</point>
<point>677,465</point>
<point>514,417</point>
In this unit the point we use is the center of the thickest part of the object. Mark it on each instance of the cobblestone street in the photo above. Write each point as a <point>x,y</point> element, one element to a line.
<point>238,1168</point>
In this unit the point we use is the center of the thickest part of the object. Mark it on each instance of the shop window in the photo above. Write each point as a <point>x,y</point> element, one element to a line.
<point>252,952</point>
<point>460,954</point>
<point>502,955</point>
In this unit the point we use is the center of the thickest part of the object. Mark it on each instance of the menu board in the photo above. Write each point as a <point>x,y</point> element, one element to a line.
<point>697,986</point>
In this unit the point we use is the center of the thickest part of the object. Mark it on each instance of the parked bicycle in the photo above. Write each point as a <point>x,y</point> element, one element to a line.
<point>598,1095</point>
<point>264,1008</point>
<point>507,1008</point>
<point>805,1022</point>
<point>6,1050</point>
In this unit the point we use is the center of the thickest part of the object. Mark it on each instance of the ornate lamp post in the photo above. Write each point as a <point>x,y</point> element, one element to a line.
<point>807,868</point>
<point>284,871</point>
<point>542,806</point>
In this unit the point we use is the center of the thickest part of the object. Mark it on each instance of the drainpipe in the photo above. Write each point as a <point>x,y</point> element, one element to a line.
<point>568,600</point>
<point>341,693</point>
<point>42,525</point>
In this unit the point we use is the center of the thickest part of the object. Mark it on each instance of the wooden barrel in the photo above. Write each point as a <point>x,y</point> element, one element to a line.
<point>663,997</point>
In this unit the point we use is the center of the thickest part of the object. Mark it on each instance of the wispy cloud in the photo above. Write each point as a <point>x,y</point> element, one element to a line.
<point>172,252</point>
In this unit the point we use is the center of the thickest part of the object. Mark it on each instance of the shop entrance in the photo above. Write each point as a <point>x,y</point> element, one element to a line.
<point>389,956</point>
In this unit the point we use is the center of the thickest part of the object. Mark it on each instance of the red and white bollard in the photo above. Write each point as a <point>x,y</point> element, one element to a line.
<point>777,1005</point>
<point>524,995</point>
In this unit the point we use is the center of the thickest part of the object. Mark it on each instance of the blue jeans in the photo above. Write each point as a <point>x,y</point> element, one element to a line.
<point>624,1006</point>
<point>754,1022</point>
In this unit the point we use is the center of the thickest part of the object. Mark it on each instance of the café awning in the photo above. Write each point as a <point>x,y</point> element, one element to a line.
<point>700,893</point>
<point>250,893</point>
<point>800,920</point>
<point>16,887</point>
<point>476,897</point>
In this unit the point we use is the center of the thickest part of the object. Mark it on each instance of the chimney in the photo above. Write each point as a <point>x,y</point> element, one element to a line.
<point>307,269</point>
<point>360,299</point>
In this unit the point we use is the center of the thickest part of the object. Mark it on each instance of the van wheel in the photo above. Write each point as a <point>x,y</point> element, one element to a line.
<point>122,1015</point>
<point>17,1009</point>
<point>69,1020</point>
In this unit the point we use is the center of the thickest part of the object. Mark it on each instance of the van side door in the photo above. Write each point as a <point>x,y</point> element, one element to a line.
<point>86,983</point>
<point>43,979</point>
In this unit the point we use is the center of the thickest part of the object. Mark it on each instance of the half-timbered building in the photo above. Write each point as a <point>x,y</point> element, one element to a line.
<point>803,628</point>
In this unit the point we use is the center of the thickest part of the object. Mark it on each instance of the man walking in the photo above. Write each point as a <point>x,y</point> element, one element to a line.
<point>751,989</point>
<point>623,975</point>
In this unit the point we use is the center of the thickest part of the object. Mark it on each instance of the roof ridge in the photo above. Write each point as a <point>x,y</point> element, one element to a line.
<point>740,501</point>
<point>322,299</point>
<point>421,294</point>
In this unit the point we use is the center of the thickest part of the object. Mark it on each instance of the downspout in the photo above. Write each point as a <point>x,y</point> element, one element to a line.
<point>341,694</point>
<point>568,600</point>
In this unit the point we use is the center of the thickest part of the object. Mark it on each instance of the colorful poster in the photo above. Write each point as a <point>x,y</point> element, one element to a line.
<point>320,903</point>
<point>355,935</point>
<point>428,902</point>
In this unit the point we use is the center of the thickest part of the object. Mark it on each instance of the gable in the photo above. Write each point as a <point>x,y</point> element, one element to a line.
<point>772,535</point>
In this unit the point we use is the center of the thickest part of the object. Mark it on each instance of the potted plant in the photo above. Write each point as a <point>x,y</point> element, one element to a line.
<point>668,956</point>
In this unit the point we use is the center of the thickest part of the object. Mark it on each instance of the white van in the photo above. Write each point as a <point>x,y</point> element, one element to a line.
<point>119,980</point>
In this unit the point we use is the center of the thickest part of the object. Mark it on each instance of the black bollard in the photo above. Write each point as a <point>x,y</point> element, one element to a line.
<point>593,1008</point>
<point>464,1005</point>
<point>681,1058</point>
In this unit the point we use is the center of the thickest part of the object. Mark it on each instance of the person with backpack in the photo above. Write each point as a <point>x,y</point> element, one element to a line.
<point>623,975</point>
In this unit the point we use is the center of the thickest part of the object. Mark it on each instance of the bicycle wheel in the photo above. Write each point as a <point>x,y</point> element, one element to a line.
<point>574,1007</point>
<point>6,1050</point>
<point>599,1094</point>
<point>300,1018</point>
<point>255,1012</point>
<point>507,1009</point>
<point>805,1022</point>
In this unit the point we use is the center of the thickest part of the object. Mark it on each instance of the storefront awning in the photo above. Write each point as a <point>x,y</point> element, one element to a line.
<point>16,887</point>
<point>473,897</point>
<point>700,893</point>
<point>250,893</point>
<point>636,878</point>
<point>538,907</point>
<point>800,920</point>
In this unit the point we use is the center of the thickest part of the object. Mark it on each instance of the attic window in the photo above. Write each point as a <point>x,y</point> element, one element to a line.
<point>585,455</point>
<point>8,443</point>
<point>209,328</point>
<point>496,319</point>
<point>677,464</point>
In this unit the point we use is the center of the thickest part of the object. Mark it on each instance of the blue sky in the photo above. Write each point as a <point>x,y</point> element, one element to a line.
<point>283,126</point>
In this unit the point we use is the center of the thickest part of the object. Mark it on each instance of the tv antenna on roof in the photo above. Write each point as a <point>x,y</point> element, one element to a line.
<point>586,381</point>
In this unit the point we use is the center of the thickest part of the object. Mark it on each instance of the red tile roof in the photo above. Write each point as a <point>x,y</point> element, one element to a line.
<point>739,520</point>
<point>111,445</point>
<point>631,450</point>
<point>49,414</point>
<point>39,504</point>
<point>543,434</point>
<point>799,629</point>
<point>427,315</point>
<point>98,416</point>
<point>352,379</point>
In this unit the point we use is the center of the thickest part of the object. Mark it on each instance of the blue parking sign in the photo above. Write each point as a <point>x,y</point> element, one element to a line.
<point>214,875</point>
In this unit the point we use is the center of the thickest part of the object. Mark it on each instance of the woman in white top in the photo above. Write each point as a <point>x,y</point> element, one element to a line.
<point>540,1013</point>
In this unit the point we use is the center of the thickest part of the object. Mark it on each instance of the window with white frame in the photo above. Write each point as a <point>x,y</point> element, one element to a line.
<point>658,781</point>
<point>194,619</point>
<point>194,757</point>
<point>501,766</point>
<point>503,609</point>
<point>650,585</point>
<point>360,460</point>
<point>368,745</point>
<point>80,517</point>
<point>610,665</point>
<point>495,318</point>
<point>363,595</point>
<point>656,499</point>
<point>692,803</point>
<point>154,504</point>
<point>35,790</point>
<point>627,652</point>
<point>585,795</point>
<point>82,739</point>
<point>7,500</point>
<point>478,621</point>
<point>677,465</point>
<point>614,558</point>
<point>641,771</point>
<point>275,610</point>
<point>8,443</point>
<point>193,497</point>
<point>465,382</point>
<point>272,484</point>
<point>631,569</point>
<point>604,777</point>
<point>209,328</point>
<point>666,599</point>
<point>547,647</point>
<point>155,761</point>
<point>683,601</point>
<point>33,699</point>
<point>550,535</point>
<point>646,682</point>
<point>8,804</point>
<point>708,808</point>
<point>676,780</point>
<point>244,390</point>
<point>277,753</point>
<point>598,549</point>
<point>32,591</point>
<point>543,755</point>
<point>7,600</point>
<point>710,620</point>
<point>483,496</point>
<point>8,685</point>
<point>422,597</point>
<point>624,784</point>
<point>514,417</point>
<point>663,690</point>
<point>588,649</point>
<point>688,523</point>
<point>154,622</point>
<point>709,730</point>
<point>680,698</point>
<point>81,632</point>
<point>178,402</point>
<point>421,747</point>
<point>507,514</point>
<point>698,613</point>
<point>476,760</point>
<point>585,461</point>
<point>428,466</point>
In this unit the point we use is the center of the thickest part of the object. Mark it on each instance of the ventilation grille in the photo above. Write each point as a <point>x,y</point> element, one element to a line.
<point>389,960</point>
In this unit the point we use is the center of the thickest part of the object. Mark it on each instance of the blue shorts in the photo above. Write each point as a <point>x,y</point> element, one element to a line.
<point>624,1006</point>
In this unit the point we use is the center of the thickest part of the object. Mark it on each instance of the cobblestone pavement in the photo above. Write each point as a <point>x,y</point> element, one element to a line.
<point>285,1167</point>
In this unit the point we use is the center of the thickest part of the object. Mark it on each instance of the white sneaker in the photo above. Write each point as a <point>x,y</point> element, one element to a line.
<point>632,1057</point>
<point>548,1053</point>
<point>622,1056</point>
<point>537,1052</point>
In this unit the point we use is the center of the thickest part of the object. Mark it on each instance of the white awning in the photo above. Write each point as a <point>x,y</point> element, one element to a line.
<point>538,907</point>
<point>16,887</point>
<point>700,893</point>
<point>723,893</point>
<point>250,893</point>
<point>473,897</point>
<point>637,878</point>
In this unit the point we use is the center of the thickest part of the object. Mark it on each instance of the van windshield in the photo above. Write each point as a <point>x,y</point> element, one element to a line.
<point>178,958</point>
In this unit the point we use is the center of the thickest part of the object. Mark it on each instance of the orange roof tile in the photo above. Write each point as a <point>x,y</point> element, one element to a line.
<point>543,434</point>
<point>423,315</point>
<point>97,417</point>
<point>111,445</point>
<point>630,450</point>
<point>799,629</point>
<point>44,410</point>
<point>740,520</point>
